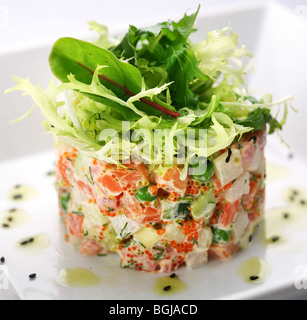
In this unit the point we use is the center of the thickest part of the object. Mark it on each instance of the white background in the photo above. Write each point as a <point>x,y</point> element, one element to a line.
<point>30,22</point>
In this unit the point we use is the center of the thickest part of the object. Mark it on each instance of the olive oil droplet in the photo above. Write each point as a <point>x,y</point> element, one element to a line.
<point>14,218</point>
<point>173,285</point>
<point>34,243</point>
<point>22,193</point>
<point>77,278</point>
<point>254,270</point>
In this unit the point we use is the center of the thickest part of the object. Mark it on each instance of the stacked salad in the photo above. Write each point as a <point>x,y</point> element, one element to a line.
<point>160,146</point>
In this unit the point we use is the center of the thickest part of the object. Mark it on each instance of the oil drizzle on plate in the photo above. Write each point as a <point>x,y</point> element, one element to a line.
<point>77,278</point>
<point>290,217</point>
<point>280,223</point>
<point>271,236</point>
<point>34,243</point>
<point>296,196</point>
<point>22,193</point>
<point>275,231</point>
<point>167,286</point>
<point>279,220</point>
<point>14,217</point>
<point>254,270</point>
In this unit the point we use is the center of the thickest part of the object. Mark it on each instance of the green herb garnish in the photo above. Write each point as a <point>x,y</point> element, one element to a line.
<point>152,77</point>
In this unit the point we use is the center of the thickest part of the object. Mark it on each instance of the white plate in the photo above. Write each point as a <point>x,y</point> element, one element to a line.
<point>281,69</point>
<point>216,280</point>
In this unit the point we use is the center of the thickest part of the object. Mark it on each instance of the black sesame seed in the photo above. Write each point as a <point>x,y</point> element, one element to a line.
<point>23,243</point>
<point>253,278</point>
<point>303,202</point>
<point>32,276</point>
<point>286,215</point>
<point>17,196</point>
<point>275,239</point>
<point>229,155</point>
<point>13,210</point>
<point>291,199</point>
<point>2,260</point>
<point>253,138</point>
<point>5,225</point>
<point>250,238</point>
<point>173,275</point>
<point>167,288</point>
<point>17,186</point>
<point>295,192</point>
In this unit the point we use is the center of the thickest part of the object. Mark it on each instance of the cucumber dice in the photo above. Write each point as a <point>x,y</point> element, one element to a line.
<point>203,206</point>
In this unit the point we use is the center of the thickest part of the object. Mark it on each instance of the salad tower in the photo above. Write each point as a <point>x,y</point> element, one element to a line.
<point>159,145</point>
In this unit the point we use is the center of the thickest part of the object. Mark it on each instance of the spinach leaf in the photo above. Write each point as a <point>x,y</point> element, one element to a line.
<point>81,58</point>
<point>256,119</point>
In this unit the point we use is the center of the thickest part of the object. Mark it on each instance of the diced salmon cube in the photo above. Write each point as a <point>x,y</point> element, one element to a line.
<point>170,181</point>
<point>84,187</point>
<point>140,212</point>
<point>223,252</point>
<point>227,213</point>
<point>90,248</point>
<point>75,224</point>
<point>110,185</point>
<point>114,180</point>
<point>247,152</point>
<point>248,199</point>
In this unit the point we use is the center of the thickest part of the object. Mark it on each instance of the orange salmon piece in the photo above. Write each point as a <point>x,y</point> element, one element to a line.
<point>110,185</point>
<point>223,252</point>
<point>248,199</point>
<point>90,248</point>
<point>75,224</point>
<point>84,187</point>
<point>135,176</point>
<point>116,180</point>
<point>65,161</point>
<point>138,211</point>
<point>247,152</point>
<point>227,214</point>
<point>170,181</point>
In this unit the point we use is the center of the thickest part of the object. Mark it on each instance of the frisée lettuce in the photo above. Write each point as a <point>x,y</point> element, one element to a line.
<point>153,78</point>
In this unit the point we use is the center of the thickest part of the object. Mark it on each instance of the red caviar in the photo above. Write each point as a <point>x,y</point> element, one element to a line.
<point>160,232</point>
